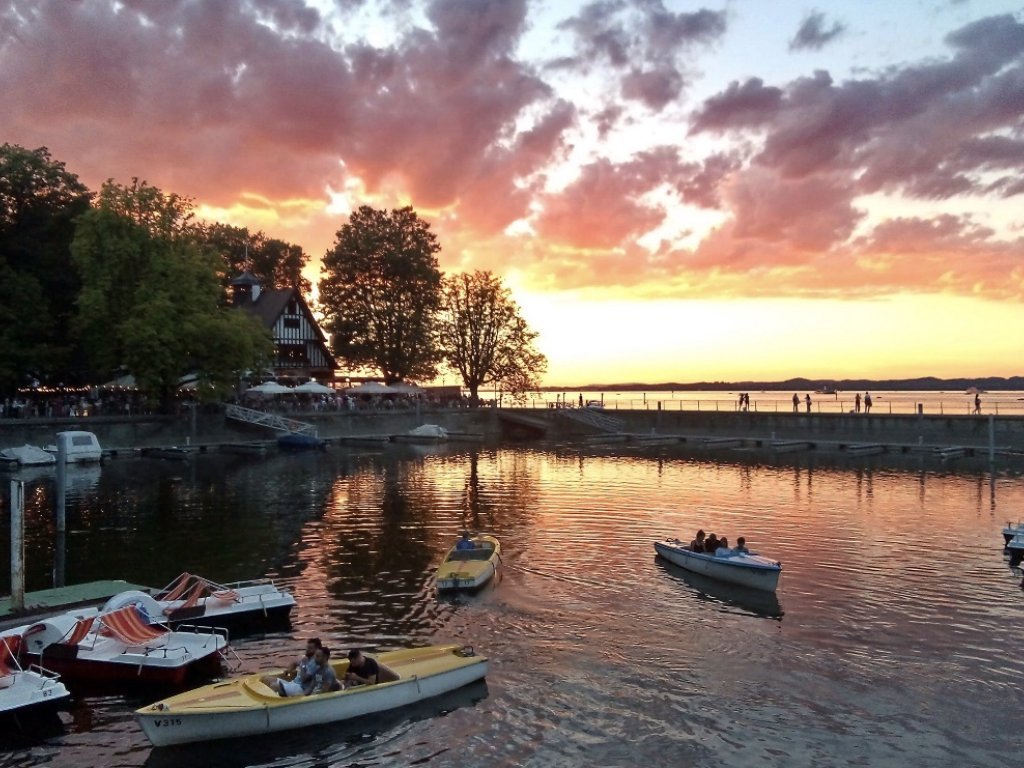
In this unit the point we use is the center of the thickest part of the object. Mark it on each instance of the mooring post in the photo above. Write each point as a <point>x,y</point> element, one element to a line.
<point>60,545</point>
<point>17,546</point>
<point>991,438</point>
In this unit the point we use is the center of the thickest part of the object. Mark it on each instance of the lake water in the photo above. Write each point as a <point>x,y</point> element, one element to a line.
<point>894,638</point>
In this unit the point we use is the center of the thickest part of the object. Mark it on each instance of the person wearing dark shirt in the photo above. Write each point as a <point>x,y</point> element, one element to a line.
<point>697,545</point>
<point>362,670</point>
<point>711,544</point>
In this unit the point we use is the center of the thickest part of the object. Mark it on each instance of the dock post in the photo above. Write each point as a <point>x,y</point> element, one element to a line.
<point>991,438</point>
<point>60,545</point>
<point>17,546</point>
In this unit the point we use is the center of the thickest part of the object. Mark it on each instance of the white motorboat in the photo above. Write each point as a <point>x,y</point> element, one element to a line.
<point>193,600</point>
<point>246,707</point>
<point>745,569</point>
<point>78,446</point>
<point>1015,547</point>
<point>119,647</point>
<point>26,456</point>
<point>26,690</point>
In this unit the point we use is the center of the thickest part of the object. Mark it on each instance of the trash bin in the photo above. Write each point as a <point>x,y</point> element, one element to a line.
<point>920,409</point>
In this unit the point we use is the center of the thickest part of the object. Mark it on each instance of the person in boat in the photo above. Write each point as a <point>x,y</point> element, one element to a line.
<point>297,672</point>
<point>741,546</point>
<point>362,670</point>
<point>722,550</point>
<point>697,545</point>
<point>465,542</point>
<point>321,678</point>
<point>711,544</point>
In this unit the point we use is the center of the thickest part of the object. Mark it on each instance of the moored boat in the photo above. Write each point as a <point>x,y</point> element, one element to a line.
<point>194,600</point>
<point>467,567</point>
<point>425,433</point>
<point>247,707</point>
<point>79,446</point>
<point>296,442</point>
<point>119,647</point>
<point>745,569</point>
<point>26,690</point>
<point>26,456</point>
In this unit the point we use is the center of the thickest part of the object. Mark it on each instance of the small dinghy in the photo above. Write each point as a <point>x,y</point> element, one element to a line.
<point>26,691</point>
<point>469,564</point>
<point>194,600</point>
<point>745,569</point>
<point>120,647</point>
<point>246,707</point>
<point>296,442</point>
<point>1012,530</point>
<point>426,433</point>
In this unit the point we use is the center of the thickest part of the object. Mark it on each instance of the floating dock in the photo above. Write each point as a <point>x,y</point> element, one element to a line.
<point>49,601</point>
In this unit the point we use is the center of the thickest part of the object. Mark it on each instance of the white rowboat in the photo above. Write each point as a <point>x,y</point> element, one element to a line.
<point>747,570</point>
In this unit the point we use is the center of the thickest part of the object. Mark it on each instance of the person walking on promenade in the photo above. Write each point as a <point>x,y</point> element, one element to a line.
<point>807,399</point>
<point>977,403</point>
<point>856,403</point>
<point>796,403</point>
<point>867,402</point>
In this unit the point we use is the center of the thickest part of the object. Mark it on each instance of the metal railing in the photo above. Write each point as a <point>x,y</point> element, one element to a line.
<point>269,420</point>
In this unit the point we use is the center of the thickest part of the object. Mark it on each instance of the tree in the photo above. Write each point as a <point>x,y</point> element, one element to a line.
<point>381,292</point>
<point>39,200</point>
<point>276,263</point>
<point>150,298</point>
<point>483,338</point>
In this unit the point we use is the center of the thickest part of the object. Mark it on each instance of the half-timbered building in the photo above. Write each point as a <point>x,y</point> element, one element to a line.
<point>300,346</point>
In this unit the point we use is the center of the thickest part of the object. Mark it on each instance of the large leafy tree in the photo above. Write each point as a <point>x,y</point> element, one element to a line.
<point>484,338</point>
<point>39,200</point>
<point>150,299</point>
<point>381,291</point>
<point>276,263</point>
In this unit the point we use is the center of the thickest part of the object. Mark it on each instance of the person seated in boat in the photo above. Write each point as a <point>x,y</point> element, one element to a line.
<point>321,678</point>
<point>722,550</point>
<point>710,544</point>
<point>362,670</point>
<point>697,545</point>
<point>741,546</point>
<point>291,683</point>
<point>465,542</point>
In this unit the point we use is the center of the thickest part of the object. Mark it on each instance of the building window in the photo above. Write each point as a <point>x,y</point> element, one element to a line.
<point>291,322</point>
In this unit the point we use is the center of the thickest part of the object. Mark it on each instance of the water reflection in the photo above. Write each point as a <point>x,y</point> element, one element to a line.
<point>599,655</point>
<point>753,601</point>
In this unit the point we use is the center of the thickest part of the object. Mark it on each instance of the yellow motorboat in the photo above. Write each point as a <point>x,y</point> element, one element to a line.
<point>247,707</point>
<point>469,567</point>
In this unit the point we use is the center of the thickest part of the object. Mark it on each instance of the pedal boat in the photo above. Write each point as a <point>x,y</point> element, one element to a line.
<point>469,568</point>
<point>26,690</point>
<point>746,569</point>
<point>246,707</point>
<point>120,647</point>
<point>192,600</point>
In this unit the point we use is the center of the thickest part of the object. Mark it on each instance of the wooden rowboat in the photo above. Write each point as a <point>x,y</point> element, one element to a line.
<point>247,707</point>
<point>469,568</point>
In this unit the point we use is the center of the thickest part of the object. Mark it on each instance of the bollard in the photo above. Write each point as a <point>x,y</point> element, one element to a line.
<point>991,438</point>
<point>17,546</point>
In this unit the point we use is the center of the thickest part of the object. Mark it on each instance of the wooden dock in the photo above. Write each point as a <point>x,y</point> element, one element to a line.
<point>46,602</point>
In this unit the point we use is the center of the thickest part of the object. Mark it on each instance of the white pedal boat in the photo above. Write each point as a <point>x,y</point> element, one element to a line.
<point>25,691</point>
<point>748,570</point>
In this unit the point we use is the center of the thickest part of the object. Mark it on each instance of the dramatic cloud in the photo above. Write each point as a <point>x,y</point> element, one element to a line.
<point>814,33</point>
<point>579,154</point>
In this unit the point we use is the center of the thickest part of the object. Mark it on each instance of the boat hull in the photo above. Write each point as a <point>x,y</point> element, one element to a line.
<point>104,674</point>
<point>759,576</point>
<point>31,693</point>
<point>214,713</point>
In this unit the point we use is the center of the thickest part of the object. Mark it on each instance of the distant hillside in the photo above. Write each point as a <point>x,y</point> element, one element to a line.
<point>925,383</point>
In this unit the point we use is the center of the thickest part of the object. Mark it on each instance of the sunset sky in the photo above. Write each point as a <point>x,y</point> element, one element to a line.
<point>673,190</point>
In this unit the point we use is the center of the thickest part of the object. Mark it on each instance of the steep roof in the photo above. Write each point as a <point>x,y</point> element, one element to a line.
<point>270,304</point>
<point>246,278</point>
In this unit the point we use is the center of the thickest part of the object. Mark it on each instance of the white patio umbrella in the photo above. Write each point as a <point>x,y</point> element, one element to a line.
<point>405,388</point>
<point>371,388</point>
<point>312,388</point>
<point>269,388</point>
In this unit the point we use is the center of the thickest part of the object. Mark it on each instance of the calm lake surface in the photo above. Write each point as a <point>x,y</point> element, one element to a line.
<point>894,638</point>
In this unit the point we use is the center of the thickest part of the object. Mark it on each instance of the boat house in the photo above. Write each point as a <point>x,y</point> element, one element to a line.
<point>300,345</point>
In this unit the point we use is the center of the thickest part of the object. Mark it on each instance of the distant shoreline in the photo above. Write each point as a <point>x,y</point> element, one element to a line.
<point>923,384</point>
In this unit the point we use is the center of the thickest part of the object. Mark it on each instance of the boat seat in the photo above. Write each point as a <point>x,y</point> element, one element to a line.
<point>78,632</point>
<point>126,625</point>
